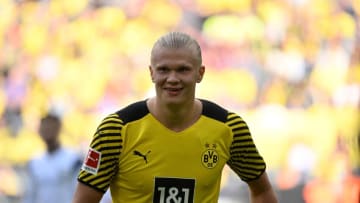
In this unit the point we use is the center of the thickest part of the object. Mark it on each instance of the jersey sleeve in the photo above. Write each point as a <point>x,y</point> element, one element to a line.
<point>101,161</point>
<point>245,159</point>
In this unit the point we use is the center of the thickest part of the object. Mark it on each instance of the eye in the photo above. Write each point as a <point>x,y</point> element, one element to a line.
<point>162,69</point>
<point>183,69</point>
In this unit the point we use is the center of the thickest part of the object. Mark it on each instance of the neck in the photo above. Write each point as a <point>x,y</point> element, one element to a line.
<point>51,148</point>
<point>176,117</point>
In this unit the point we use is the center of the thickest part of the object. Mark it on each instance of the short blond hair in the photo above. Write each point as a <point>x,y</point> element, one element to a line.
<point>175,40</point>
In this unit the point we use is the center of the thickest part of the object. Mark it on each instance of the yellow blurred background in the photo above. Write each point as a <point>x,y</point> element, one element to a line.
<point>290,68</point>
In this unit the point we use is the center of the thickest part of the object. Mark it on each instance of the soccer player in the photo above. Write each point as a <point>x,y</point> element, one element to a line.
<point>171,147</point>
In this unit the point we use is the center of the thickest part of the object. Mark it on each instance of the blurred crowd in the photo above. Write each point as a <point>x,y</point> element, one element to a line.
<point>291,68</point>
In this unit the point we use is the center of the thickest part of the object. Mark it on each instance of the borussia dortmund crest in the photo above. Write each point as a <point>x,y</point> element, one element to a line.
<point>210,157</point>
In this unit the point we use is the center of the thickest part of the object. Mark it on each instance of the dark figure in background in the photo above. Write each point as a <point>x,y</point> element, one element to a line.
<point>51,177</point>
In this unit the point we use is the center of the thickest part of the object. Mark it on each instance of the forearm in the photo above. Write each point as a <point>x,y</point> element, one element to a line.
<point>267,196</point>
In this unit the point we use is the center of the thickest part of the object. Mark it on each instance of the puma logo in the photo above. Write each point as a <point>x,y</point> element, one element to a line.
<point>137,153</point>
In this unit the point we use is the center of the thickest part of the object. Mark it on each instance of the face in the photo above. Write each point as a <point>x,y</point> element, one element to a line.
<point>49,132</point>
<point>175,73</point>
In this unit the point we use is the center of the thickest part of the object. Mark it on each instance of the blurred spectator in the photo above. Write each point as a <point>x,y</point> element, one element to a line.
<point>52,175</point>
<point>15,87</point>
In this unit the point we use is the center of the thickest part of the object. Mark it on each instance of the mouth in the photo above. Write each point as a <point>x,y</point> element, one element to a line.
<point>173,91</point>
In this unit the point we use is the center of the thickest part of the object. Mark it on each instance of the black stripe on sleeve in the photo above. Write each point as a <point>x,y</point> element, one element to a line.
<point>108,141</point>
<point>245,159</point>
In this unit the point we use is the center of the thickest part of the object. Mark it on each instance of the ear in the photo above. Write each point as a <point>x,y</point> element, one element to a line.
<point>201,74</point>
<point>151,73</point>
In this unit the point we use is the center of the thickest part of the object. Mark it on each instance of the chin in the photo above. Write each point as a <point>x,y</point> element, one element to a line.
<point>174,100</point>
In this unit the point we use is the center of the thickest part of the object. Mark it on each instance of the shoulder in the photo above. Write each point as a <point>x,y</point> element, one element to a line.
<point>37,158</point>
<point>132,112</point>
<point>68,157</point>
<point>217,112</point>
<point>214,111</point>
<point>127,114</point>
<point>70,153</point>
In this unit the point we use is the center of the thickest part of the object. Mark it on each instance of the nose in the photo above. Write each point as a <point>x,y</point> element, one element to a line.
<point>173,77</point>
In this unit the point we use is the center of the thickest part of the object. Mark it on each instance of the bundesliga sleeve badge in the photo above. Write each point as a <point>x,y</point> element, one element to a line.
<point>92,161</point>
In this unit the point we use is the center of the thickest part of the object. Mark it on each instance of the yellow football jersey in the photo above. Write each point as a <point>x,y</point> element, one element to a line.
<point>142,161</point>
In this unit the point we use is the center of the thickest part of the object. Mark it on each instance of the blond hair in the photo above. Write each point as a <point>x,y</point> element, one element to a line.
<point>175,40</point>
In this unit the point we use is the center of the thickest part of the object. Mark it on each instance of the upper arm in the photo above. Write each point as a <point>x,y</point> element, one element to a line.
<point>101,162</point>
<point>247,163</point>
<point>245,160</point>
<point>261,190</point>
<point>86,194</point>
<point>259,185</point>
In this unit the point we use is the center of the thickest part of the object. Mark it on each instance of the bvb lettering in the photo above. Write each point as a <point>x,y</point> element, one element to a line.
<point>210,158</point>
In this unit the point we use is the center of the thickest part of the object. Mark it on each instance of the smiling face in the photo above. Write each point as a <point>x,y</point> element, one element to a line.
<point>175,72</point>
